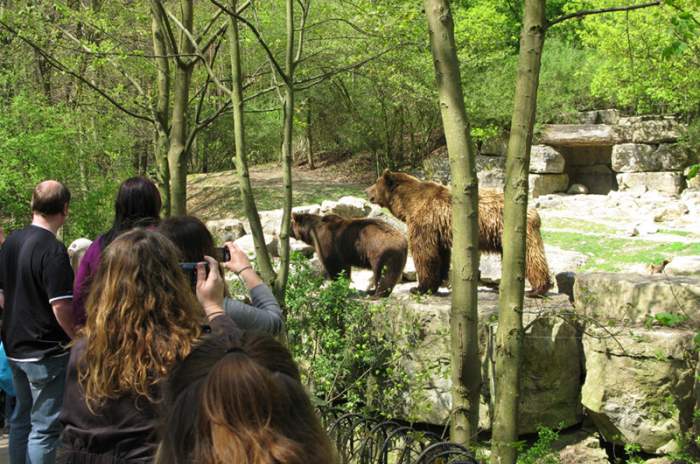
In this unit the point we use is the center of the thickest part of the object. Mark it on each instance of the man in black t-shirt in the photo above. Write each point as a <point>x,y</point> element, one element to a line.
<point>36,292</point>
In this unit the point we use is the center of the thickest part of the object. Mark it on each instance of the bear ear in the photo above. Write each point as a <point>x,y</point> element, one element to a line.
<point>389,179</point>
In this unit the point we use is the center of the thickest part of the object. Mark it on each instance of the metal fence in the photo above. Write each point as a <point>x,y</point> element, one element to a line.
<point>366,440</point>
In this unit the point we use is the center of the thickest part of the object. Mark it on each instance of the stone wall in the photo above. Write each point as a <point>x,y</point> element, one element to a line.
<point>604,152</point>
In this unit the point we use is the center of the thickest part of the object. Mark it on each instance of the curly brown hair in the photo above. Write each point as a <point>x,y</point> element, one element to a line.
<point>142,318</point>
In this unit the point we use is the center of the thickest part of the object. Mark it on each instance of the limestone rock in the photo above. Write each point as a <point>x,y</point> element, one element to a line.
<point>545,160</point>
<point>672,157</point>
<point>634,157</point>
<point>692,200</point>
<point>551,369</point>
<point>409,271</point>
<point>307,209</point>
<point>225,230</point>
<point>296,246</point>
<point>544,184</point>
<point>638,386</point>
<point>577,134</point>
<point>670,212</point>
<point>609,116</point>
<point>684,266</point>
<point>599,178</point>
<point>271,221</point>
<point>667,182</point>
<point>657,131</point>
<point>583,449</point>
<point>386,216</point>
<point>577,189</point>
<point>247,244</point>
<point>631,298</point>
<point>348,207</point>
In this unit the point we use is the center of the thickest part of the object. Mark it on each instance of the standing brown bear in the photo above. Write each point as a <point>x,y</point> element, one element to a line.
<point>368,243</point>
<point>426,208</point>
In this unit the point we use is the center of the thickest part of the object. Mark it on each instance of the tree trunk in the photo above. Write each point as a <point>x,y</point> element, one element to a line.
<point>309,136</point>
<point>283,274</point>
<point>510,323</point>
<point>160,145</point>
<point>177,153</point>
<point>263,258</point>
<point>465,361</point>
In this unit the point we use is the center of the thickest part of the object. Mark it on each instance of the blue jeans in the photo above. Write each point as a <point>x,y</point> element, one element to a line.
<point>34,426</point>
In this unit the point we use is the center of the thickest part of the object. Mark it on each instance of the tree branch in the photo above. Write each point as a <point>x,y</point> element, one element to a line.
<point>257,35</point>
<point>65,69</point>
<point>582,13</point>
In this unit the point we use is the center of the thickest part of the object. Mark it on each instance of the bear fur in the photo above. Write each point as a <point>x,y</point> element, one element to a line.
<point>367,243</point>
<point>426,208</point>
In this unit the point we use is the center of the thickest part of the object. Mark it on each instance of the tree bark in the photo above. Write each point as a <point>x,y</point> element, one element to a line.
<point>309,136</point>
<point>283,274</point>
<point>263,258</point>
<point>162,110</point>
<point>177,153</point>
<point>508,350</point>
<point>465,360</point>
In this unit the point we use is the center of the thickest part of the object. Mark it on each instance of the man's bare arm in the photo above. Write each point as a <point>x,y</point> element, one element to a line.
<point>63,310</point>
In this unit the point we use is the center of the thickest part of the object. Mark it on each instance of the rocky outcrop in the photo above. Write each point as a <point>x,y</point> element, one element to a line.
<point>544,184</point>
<point>225,230</point>
<point>639,385</point>
<point>684,266</point>
<point>577,135</point>
<point>247,244</point>
<point>551,364</point>
<point>546,160</point>
<point>666,182</point>
<point>630,299</point>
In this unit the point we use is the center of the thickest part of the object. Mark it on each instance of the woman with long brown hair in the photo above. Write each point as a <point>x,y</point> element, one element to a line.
<point>142,320</point>
<point>241,402</point>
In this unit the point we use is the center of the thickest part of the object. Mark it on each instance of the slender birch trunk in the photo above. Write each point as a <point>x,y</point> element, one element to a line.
<point>283,273</point>
<point>465,360</point>
<point>263,258</point>
<point>162,110</point>
<point>177,152</point>
<point>508,352</point>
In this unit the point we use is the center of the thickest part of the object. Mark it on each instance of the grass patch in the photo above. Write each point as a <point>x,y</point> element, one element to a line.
<point>680,233</point>
<point>577,224</point>
<point>224,201</point>
<point>614,254</point>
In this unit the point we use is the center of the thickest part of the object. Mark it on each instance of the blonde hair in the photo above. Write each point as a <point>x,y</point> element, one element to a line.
<point>142,319</point>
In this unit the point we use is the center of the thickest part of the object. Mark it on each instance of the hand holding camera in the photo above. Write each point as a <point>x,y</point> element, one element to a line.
<point>237,259</point>
<point>210,287</point>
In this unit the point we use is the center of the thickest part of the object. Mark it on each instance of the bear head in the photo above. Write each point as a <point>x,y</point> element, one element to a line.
<point>301,226</point>
<point>380,193</point>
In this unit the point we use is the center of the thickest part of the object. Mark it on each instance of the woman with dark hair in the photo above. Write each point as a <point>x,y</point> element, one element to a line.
<point>243,403</point>
<point>143,320</point>
<point>137,204</point>
<point>195,241</point>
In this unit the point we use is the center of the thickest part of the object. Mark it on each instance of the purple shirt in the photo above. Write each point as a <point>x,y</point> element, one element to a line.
<point>81,286</point>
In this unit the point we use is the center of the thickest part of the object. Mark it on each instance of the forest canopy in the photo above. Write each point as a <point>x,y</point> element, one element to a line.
<point>79,83</point>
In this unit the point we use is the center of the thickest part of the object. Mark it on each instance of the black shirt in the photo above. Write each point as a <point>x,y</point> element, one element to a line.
<point>34,272</point>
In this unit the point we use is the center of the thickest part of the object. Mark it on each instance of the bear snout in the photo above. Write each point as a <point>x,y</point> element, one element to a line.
<point>370,194</point>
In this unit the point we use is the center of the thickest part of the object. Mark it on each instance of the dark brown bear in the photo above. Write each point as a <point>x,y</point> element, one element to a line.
<point>426,208</point>
<point>367,243</point>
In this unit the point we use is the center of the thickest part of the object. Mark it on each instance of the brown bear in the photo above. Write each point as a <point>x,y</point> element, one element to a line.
<point>367,243</point>
<point>426,208</point>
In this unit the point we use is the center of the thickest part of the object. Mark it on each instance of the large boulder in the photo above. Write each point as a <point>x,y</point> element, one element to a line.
<point>247,244</point>
<point>580,447</point>
<point>662,130</point>
<point>630,299</point>
<point>551,358</point>
<point>609,116</point>
<point>384,215</point>
<point>491,171</point>
<point>634,157</point>
<point>672,157</point>
<point>639,385</point>
<point>348,207</point>
<point>226,230</point>
<point>572,135</point>
<point>296,246</point>
<point>684,266</point>
<point>667,182</point>
<point>546,160</point>
<point>544,184</point>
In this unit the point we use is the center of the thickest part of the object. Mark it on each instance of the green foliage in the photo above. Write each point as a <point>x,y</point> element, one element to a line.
<point>665,319</point>
<point>540,452</point>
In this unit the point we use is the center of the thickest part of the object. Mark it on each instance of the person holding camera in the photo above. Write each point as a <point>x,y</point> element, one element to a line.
<point>195,241</point>
<point>142,321</point>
